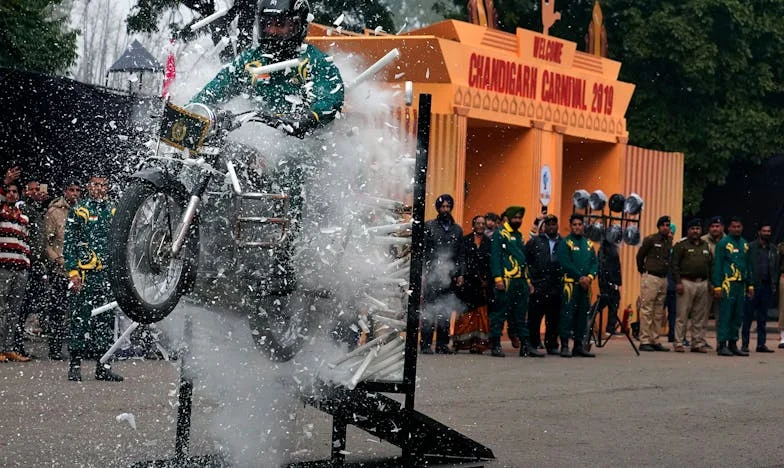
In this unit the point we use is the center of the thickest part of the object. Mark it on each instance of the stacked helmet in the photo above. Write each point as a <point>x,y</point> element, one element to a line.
<point>289,18</point>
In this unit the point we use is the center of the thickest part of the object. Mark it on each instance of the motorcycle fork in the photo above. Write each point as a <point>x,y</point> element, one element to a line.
<point>181,234</point>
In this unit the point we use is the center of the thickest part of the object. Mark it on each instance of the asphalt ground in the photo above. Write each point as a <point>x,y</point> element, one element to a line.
<point>658,409</point>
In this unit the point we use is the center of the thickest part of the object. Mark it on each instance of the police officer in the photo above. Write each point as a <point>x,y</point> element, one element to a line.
<point>732,280</point>
<point>653,263</point>
<point>512,284</point>
<point>85,249</point>
<point>579,264</point>
<point>691,270</point>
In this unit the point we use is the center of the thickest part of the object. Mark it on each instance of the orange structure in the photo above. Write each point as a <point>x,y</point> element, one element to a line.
<point>508,109</point>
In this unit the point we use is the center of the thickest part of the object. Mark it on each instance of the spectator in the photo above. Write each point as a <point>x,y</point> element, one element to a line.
<point>732,280</point>
<point>33,204</point>
<point>691,271</point>
<point>579,264</point>
<point>764,269</point>
<point>85,250</point>
<point>53,234</point>
<point>609,283</point>
<point>512,285</point>
<point>545,271</point>
<point>653,263</point>
<point>492,221</point>
<point>670,301</point>
<point>444,269</point>
<point>472,328</point>
<point>780,259</point>
<point>14,265</point>
<point>714,235</point>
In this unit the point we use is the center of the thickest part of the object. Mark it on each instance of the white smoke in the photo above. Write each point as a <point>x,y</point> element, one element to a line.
<point>357,155</point>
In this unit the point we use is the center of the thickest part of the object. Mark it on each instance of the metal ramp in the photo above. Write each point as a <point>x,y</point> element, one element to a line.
<point>425,440</point>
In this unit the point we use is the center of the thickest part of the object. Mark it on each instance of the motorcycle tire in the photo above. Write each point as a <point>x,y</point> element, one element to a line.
<point>133,259</point>
<point>279,324</point>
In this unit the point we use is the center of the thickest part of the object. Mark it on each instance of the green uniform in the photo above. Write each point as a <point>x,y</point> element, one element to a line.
<point>315,86</point>
<point>85,250</point>
<point>507,263</point>
<point>732,275</point>
<point>578,259</point>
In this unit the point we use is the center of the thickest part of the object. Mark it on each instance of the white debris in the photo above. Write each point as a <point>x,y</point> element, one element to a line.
<point>127,417</point>
<point>340,19</point>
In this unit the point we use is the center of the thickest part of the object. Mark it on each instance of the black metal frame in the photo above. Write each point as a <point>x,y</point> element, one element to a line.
<point>597,335</point>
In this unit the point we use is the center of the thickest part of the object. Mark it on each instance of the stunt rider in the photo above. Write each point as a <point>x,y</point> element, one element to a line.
<point>301,97</point>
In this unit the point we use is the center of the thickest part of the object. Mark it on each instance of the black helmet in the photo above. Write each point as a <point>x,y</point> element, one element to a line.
<point>291,16</point>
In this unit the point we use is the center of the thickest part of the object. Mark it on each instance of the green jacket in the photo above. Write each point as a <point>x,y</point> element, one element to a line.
<point>507,255</point>
<point>577,257</point>
<point>732,263</point>
<point>86,243</point>
<point>316,83</point>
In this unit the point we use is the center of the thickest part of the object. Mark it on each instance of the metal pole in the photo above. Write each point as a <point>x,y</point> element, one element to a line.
<point>417,260</point>
<point>182,439</point>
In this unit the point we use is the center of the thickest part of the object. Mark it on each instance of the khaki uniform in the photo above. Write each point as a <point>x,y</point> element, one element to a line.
<point>653,262</point>
<point>691,268</point>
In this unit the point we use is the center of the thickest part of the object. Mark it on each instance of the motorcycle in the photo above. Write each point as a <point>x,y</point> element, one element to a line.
<point>181,218</point>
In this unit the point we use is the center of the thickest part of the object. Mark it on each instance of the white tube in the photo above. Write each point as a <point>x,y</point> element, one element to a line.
<point>103,308</point>
<point>235,182</point>
<point>397,264</point>
<point>363,324</point>
<point>387,240</point>
<point>208,19</point>
<point>385,363</point>
<point>383,339</point>
<point>373,69</point>
<point>273,67</point>
<point>388,228</point>
<point>397,324</point>
<point>352,383</point>
<point>119,341</point>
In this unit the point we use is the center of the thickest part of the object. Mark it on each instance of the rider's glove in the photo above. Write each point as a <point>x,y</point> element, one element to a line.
<point>298,126</point>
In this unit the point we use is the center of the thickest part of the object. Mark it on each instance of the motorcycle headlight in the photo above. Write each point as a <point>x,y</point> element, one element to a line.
<point>204,111</point>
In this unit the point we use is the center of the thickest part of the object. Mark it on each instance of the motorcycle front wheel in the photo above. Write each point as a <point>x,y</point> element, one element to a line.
<point>146,279</point>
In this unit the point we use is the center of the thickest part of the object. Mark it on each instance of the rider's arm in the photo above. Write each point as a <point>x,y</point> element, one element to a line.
<point>324,95</point>
<point>228,83</point>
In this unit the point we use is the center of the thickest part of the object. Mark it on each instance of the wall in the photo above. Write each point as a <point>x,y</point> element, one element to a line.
<point>657,176</point>
<point>498,171</point>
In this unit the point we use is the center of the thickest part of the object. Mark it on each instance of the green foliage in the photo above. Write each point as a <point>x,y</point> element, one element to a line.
<point>706,74</point>
<point>35,37</point>
<point>358,14</point>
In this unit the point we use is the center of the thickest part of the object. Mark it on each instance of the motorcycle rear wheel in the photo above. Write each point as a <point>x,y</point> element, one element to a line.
<point>147,281</point>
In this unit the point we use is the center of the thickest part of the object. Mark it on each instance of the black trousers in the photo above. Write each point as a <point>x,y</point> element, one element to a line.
<point>757,310</point>
<point>547,307</point>
<point>55,323</point>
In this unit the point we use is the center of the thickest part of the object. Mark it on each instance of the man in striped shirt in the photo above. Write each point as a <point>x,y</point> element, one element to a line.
<point>14,264</point>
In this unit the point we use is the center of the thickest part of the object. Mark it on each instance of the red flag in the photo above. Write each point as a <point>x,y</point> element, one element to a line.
<point>170,72</point>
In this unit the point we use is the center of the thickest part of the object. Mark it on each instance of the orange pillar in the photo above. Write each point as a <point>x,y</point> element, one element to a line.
<point>446,161</point>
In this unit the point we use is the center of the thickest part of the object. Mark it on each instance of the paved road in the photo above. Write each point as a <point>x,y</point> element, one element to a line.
<point>660,409</point>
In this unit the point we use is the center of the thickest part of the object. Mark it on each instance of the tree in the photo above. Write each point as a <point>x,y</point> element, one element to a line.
<point>707,74</point>
<point>358,14</point>
<point>35,36</point>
